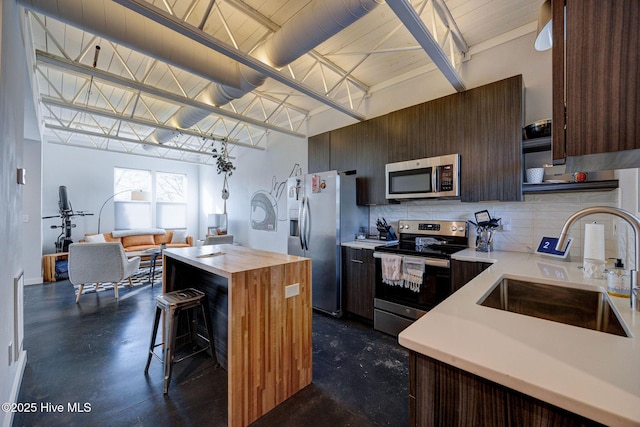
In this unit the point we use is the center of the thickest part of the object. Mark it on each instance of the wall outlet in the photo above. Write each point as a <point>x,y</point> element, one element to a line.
<point>292,290</point>
<point>10,352</point>
<point>506,224</point>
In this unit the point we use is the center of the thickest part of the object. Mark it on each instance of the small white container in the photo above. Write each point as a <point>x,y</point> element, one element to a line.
<point>535,175</point>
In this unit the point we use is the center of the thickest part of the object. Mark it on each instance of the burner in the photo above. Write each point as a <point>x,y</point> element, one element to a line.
<point>431,238</point>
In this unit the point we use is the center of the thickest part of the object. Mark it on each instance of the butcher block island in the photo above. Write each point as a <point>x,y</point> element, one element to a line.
<point>260,304</point>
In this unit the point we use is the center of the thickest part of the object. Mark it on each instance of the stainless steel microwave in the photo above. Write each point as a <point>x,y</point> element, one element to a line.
<point>424,178</point>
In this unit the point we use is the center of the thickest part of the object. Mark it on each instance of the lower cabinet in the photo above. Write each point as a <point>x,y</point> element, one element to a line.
<point>462,272</point>
<point>443,395</point>
<point>358,281</point>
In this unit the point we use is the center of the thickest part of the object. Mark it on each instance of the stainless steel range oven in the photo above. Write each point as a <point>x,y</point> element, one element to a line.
<point>421,258</point>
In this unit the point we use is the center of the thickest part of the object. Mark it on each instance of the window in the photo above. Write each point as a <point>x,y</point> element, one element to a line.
<point>132,200</point>
<point>133,204</point>
<point>171,200</point>
<point>130,180</point>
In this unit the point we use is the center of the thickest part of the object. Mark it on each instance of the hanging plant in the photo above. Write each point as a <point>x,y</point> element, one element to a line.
<point>223,164</point>
<point>226,167</point>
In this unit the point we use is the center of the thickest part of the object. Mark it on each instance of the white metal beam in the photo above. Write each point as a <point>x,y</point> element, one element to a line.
<point>412,21</point>
<point>46,58</point>
<point>128,119</point>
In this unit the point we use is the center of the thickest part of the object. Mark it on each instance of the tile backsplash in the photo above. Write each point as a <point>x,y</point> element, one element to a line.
<point>537,216</point>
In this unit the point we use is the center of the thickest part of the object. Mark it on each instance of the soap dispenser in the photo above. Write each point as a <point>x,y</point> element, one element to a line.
<point>618,280</point>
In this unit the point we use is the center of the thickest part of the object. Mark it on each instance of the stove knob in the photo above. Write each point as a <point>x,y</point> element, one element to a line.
<point>454,228</point>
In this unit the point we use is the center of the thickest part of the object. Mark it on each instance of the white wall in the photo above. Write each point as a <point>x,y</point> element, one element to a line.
<point>258,172</point>
<point>88,176</point>
<point>12,89</point>
<point>31,215</point>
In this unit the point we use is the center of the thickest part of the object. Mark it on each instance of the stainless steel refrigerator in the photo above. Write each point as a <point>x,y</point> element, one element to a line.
<point>322,214</point>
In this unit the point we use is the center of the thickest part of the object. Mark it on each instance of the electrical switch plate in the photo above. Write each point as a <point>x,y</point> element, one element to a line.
<point>506,224</point>
<point>292,290</point>
<point>25,217</point>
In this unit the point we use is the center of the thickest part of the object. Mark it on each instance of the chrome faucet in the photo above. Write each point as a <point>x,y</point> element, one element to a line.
<point>633,221</point>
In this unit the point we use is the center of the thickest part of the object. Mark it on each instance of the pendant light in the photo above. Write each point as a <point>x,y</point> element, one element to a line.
<point>544,39</point>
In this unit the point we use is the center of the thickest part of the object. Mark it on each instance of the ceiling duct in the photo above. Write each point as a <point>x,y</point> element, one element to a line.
<point>314,24</point>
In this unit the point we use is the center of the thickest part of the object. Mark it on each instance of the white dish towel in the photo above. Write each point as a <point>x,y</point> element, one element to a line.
<point>391,269</point>
<point>412,272</point>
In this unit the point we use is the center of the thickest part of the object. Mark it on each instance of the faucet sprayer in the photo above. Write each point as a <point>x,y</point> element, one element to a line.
<point>633,221</point>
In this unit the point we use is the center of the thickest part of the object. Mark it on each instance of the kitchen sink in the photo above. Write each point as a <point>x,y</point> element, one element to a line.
<point>584,308</point>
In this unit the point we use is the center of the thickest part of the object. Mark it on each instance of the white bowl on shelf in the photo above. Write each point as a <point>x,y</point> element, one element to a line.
<point>535,175</point>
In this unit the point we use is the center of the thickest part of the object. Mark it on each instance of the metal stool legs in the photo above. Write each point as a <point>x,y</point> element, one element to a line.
<point>153,339</point>
<point>173,303</point>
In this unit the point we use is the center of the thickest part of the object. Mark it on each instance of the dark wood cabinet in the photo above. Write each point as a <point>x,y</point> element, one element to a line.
<point>406,134</point>
<point>358,281</point>
<point>462,272</point>
<point>372,139</point>
<point>483,125</point>
<point>319,152</point>
<point>443,118</point>
<point>491,149</point>
<point>443,395</point>
<point>600,85</point>
<point>344,148</point>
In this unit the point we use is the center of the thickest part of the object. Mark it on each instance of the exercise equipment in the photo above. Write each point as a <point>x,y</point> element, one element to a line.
<point>65,212</point>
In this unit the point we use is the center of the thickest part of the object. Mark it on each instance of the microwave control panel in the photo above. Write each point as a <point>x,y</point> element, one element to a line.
<point>445,178</point>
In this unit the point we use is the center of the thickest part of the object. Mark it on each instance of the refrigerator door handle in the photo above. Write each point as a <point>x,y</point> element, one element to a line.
<point>301,222</point>
<point>307,225</point>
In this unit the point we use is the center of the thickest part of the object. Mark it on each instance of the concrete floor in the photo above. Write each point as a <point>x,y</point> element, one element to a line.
<point>92,355</point>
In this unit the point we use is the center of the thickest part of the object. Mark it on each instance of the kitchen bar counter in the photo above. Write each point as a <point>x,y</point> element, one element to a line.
<point>590,373</point>
<point>265,300</point>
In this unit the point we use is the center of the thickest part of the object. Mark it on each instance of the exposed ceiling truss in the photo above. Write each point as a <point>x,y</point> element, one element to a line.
<point>116,98</point>
<point>446,50</point>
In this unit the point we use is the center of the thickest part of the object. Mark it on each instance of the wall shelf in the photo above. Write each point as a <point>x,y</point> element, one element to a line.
<point>549,187</point>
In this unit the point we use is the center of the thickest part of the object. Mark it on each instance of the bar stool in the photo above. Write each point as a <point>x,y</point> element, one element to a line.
<point>173,303</point>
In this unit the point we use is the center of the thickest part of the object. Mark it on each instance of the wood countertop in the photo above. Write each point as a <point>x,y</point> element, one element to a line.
<point>230,259</point>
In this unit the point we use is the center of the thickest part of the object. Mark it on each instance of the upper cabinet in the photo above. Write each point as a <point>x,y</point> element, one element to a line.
<point>600,84</point>
<point>319,152</point>
<point>372,142</point>
<point>406,134</point>
<point>483,125</point>
<point>344,148</point>
<point>491,150</point>
<point>443,130</point>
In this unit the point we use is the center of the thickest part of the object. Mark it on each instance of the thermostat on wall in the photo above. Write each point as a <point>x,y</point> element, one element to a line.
<point>548,247</point>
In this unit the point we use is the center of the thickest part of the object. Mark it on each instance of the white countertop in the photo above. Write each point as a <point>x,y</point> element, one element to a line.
<point>366,243</point>
<point>591,373</point>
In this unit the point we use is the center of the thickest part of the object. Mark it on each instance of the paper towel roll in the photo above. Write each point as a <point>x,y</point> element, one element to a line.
<point>594,241</point>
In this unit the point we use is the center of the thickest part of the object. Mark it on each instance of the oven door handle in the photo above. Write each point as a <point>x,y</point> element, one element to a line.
<point>430,262</point>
